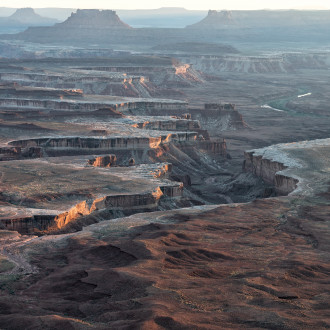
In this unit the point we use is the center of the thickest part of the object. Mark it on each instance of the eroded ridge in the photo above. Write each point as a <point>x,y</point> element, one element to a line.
<point>81,158</point>
<point>299,168</point>
<point>266,262</point>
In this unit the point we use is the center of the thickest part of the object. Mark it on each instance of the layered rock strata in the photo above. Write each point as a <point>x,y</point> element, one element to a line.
<point>287,166</point>
<point>91,82</point>
<point>104,143</point>
<point>103,161</point>
<point>9,103</point>
<point>149,187</point>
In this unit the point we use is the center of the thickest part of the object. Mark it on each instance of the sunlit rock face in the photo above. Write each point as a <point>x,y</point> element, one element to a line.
<point>103,161</point>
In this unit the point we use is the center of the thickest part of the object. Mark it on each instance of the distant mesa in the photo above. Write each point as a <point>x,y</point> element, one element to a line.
<point>27,16</point>
<point>83,26</point>
<point>23,14</point>
<point>94,19</point>
<point>215,19</point>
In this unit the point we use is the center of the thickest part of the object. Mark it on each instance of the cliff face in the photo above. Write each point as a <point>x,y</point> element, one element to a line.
<point>132,203</point>
<point>29,224</point>
<point>111,206</point>
<point>82,145</point>
<point>103,161</point>
<point>269,170</point>
<point>215,64</point>
<point>99,205</point>
<point>12,153</point>
<point>216,117</point>
<point>69,105</point>
<point>170,125</point>
<point>91,82</point>
<point>214,147</point>
<point>220,117</point>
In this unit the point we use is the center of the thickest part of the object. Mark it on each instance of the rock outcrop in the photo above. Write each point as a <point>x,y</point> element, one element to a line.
<point>290,167</point>
<point>269,170</point>
<point>93,19</point>
<point>54,146</point>
<point>172,124</point>
<point>91,82</point>
<point>130,203</point>
<point>103,161</point>
<point>71,105</point>
<point>9,88</point>
<point>29,224</point>
<point>214,20</point>
<point>215,65</point>
<point>13,153</point>
<point>90,211</point>
<point>185,179</point>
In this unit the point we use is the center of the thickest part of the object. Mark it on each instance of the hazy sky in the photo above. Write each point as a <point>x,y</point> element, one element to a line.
<point>189,4</point>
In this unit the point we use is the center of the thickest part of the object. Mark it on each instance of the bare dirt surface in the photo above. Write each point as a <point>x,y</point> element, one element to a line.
<point>251,266</point>
<point>263,264</point>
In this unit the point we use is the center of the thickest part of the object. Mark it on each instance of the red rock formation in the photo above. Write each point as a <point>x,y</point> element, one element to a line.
<point>103,161</point>
<point>131,203</point>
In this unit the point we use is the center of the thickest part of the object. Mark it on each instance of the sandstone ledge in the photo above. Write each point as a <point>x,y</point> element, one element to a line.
<point>299,168</point>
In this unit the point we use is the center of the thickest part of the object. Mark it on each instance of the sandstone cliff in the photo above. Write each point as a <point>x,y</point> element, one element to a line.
<point>103,161</point>
<point>269,171</point>
<point>291,166</point>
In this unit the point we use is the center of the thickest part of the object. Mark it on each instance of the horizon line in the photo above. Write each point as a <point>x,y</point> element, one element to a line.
<point>158,8</point>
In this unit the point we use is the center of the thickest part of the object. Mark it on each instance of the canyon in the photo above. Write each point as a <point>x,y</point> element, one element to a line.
<point>173,184</point>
